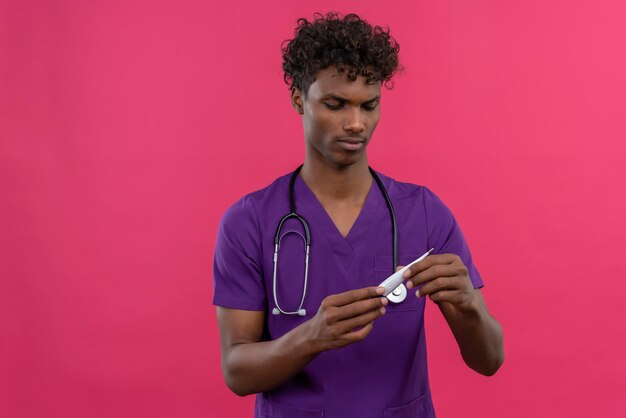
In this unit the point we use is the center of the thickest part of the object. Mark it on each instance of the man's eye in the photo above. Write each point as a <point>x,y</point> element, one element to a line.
<point>333,106</point>
<point>370,106</point>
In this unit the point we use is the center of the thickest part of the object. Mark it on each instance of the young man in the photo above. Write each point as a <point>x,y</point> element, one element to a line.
<point>305,327</point>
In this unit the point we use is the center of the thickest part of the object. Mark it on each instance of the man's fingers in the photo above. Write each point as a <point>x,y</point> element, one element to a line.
<point>352,321</point>
<point>350,324</point>
<point>435,271</point>
<point>360,334</point>
<point>451,296</point>
<point>352,296</point>
<point>428,262</point>
<point>438,284</point>
<point>359,307</point>
<point>431,273</point>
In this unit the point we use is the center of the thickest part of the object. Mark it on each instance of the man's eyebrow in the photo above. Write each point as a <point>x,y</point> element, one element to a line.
<point>373,99</point>
<point>334,97</point>
<point>344,100</point>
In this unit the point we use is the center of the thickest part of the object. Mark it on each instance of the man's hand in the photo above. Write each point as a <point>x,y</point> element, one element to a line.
<point>444,278</point>
<point>346,318</point>
<point>251,365</point>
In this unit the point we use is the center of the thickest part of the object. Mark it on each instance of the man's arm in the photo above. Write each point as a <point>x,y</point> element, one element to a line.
<point>444,278</point>
<point>478,335</point>
<point>250,365</point>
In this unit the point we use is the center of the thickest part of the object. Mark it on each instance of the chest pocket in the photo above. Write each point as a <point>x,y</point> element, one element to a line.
<point>383,266</point>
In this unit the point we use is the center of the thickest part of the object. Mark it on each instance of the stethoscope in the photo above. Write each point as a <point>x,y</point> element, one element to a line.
<point>398,295</point>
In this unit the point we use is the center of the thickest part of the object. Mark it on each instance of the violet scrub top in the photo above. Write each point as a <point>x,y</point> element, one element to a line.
<point>386,374</point>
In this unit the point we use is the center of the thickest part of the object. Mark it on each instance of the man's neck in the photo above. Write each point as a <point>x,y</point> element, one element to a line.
<point>334,183</point>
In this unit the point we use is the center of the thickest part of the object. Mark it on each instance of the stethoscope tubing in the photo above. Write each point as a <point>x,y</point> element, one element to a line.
<point>307,241</point>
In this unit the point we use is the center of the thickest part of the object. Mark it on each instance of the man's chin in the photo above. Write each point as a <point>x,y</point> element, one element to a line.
<point>347,161</point>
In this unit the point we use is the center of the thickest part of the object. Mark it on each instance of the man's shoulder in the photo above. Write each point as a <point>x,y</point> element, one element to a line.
<point>403,189</point>
<point>410,193</point>
<point>248,205</point>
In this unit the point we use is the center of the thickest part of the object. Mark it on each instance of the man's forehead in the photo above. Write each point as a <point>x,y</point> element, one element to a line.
<point>330,82</point>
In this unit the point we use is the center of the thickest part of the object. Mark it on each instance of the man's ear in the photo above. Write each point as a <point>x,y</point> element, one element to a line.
<point>297,100</point>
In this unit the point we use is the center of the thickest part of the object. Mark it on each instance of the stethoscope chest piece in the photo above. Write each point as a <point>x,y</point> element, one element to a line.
<point>398,295</point>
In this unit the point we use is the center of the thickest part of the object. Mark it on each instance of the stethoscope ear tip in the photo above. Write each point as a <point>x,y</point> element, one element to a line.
<point>301,312</point>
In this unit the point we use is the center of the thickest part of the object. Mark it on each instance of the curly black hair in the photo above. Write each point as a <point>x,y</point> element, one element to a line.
<point>348,42</point>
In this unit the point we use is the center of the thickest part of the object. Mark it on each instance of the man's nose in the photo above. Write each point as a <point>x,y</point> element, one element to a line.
<point>354,122</point>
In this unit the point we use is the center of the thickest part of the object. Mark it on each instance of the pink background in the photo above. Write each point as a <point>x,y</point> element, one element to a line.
<point>127,128</point>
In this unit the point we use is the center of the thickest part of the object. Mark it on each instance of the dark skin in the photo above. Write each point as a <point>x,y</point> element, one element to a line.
<point>339,117</point>
<point>445,280</point>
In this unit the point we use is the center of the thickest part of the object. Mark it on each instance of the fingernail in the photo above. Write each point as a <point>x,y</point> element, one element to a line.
<point>380,290</point>
<point>385,301</point>
<point>382,310</point>
<point>417,294</point>
<point>409,285</point>
<point>406,273</point>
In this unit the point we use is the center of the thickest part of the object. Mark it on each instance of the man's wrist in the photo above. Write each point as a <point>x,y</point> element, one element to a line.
<point>471,310</point>
<point>304,340</point>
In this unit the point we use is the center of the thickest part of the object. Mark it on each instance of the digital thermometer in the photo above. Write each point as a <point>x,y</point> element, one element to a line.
<point>396,279</point>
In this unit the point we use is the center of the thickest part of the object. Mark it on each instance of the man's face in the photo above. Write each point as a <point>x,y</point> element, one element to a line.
<point>339,117</point>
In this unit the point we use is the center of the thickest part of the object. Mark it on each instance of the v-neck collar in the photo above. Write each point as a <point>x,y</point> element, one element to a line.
<point>346,248</point>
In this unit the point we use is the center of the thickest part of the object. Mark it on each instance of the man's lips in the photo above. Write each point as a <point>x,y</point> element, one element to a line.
<point>351,144</point>
<point>351,140</point>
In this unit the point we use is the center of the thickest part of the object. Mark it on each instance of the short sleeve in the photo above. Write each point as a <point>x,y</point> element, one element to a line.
<point>445,235</point>
<point>237,268</point>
